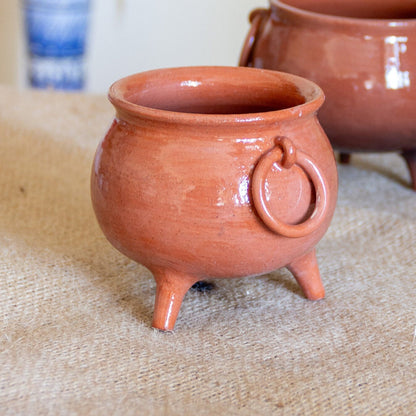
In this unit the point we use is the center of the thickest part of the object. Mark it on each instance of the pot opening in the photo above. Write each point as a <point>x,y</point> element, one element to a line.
<point>202,95</point>
<point>368,9</point>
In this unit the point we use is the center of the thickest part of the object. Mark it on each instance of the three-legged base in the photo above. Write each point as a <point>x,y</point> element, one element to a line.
<point>410,158</point>
<point>172,286</point>
<point>344,158</point>
<point>306,272</point>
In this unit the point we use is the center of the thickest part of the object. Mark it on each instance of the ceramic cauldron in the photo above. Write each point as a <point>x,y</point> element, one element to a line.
<point>361,53</point>
<point>215,172</point>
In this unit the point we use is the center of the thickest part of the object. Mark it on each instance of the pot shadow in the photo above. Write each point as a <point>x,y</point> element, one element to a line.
<point>282,278</point>
<point>373,162</point>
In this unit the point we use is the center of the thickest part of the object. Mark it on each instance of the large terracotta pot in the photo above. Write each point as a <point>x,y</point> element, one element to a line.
<point>361,53</point>
<point>215,172</point>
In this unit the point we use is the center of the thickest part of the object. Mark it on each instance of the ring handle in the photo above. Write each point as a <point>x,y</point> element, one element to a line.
<point>255,18</point>
<point>286,155</point>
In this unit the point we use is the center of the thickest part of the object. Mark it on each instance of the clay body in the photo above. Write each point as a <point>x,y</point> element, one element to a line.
<point>215,172</point>
<point>361,53</point>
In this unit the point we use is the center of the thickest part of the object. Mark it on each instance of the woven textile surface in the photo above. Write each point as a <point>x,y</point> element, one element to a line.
<point>75,334</point>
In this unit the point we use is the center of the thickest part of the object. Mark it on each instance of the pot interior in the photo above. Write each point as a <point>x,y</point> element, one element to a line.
<point>364,9</point>
<point>218,92</point>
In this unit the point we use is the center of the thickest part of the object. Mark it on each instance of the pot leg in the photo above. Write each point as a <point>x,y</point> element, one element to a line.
<point>410,157</point>
<point>171,287</point>
<point>345,158</point>
<point>306,272</point>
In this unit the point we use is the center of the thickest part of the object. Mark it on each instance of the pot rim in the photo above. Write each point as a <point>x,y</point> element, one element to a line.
<point>351,21</point>
<point>311,92</point>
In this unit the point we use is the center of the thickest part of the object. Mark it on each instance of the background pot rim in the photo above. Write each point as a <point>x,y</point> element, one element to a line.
<point>320,18</point>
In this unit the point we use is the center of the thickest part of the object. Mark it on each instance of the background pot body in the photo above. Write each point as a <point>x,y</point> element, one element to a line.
<point>172,179</point>
<point>363,56</point>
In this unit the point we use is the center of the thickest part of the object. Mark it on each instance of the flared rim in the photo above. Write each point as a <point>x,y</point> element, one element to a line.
<point>121,90</point>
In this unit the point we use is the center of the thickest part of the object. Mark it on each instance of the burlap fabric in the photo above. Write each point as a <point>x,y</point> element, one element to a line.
<point>75,313</point>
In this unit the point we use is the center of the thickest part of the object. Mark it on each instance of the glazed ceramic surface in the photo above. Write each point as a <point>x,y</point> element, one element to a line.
<point>215,172</point>
<point>361,53</point>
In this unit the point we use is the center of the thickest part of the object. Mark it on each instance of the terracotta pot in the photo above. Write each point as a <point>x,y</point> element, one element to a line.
<point>215,172</point>
<point>361,53</point>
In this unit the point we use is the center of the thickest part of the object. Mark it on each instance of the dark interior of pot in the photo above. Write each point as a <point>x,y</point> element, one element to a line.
<point>205,95</point>
<point>364,9</point>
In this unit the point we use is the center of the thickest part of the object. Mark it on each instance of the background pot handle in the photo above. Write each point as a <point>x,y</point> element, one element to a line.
<point>256,18</point>
<point>286,155</point>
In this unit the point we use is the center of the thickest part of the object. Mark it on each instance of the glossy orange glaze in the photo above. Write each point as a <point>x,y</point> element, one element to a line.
<point>172,187</point>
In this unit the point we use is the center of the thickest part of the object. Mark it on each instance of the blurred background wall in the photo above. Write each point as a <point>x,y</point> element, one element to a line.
<point>127,36</point>
<point>11,48</point>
